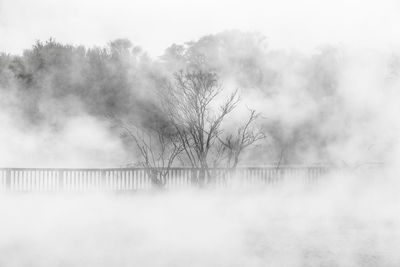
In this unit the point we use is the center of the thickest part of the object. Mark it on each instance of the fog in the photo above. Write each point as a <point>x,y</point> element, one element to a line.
<point>346,220</point>
<point>337,106</point>
<point>334,106</point>
<point>322,77</point>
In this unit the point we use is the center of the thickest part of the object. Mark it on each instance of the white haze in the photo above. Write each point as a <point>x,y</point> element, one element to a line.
<point>364,118</point>
<point>84,142</point>
<point>349,222</point>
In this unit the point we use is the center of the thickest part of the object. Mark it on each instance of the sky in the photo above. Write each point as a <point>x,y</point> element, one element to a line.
<point>301,25</point>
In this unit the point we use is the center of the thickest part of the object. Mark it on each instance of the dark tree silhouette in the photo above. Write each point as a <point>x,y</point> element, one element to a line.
<point>189,102</point>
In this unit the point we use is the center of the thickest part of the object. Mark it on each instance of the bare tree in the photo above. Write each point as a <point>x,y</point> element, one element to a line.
<point>192,130</point>
<point>190,103</point>
<point>246,136</point>
<point>158,148</point>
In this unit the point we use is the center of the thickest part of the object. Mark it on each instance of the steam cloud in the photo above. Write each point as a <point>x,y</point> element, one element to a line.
<point>333,106</point>
<point>339,223</point>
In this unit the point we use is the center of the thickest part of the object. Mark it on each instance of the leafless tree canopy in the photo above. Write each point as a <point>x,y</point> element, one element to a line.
<point>246,135</point>
<point>157,147</point>
<point>192,131</point>
<point>191,105</point>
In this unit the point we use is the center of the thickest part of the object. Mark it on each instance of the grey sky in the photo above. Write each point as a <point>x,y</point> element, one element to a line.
<point>155,24</point>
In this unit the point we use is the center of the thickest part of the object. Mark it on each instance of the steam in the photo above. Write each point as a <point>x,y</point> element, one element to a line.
<point>347,220</point>
<point>83,142</point>
<point>336,105</point>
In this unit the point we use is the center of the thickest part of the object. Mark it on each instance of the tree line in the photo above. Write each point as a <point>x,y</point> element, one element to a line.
<point>177,107</point>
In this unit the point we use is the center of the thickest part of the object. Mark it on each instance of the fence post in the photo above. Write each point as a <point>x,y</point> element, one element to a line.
<point>8,180</point>
<point>102,179</point>
<point>60,180</point>
<point>193,177</point>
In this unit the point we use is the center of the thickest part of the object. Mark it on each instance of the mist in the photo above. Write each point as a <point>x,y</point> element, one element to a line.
<point>184,133</point>
<point>334,106</point>
<point>347,220</point>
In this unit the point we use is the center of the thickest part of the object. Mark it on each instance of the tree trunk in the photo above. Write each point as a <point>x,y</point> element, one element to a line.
<point>155,181</point>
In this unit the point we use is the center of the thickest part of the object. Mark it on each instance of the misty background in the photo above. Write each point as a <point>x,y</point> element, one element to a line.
<point>323,74</point>
<point>335,105</point>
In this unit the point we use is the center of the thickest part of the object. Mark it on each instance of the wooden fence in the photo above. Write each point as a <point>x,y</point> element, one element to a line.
<point>134,179</point>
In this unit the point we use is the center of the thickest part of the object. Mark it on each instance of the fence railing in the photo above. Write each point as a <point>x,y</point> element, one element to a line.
<point>134,179</point>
